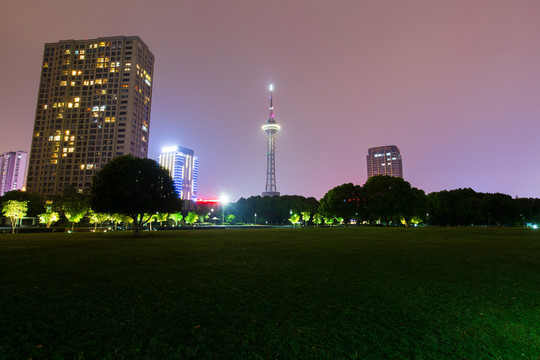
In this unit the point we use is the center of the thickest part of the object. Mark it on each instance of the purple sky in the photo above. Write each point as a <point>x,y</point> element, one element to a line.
<point>454,84</point>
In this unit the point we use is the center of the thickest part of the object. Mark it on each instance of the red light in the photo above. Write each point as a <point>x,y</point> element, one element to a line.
<point>208,201</point>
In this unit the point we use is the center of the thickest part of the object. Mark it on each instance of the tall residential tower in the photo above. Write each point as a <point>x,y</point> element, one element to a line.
<point>384,160</point>
<point>271,127</point>
<point>93,105</point>
<point>12,171</point>
<point>183,166</point>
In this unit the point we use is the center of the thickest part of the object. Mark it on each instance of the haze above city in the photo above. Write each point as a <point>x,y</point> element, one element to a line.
<point>455,85</point>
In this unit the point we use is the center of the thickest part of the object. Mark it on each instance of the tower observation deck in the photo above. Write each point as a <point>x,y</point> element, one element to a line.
<point>271,128</point>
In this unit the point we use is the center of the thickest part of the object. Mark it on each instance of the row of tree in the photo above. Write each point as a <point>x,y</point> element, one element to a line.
<point>139,189</point>
<point>390,200</point>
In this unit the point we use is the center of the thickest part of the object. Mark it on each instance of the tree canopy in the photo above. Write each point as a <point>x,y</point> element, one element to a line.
<point>134,187</point>
<point>345,201</point>
<point>15,211</point>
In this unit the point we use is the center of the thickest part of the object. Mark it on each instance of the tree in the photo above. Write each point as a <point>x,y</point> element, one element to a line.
<point>306,215</point>
<point>176,217</point>
<point>295,218</point>
<point>48,218</point>
<point>345,201</point>
<point>317,219</point>
<point>455,207</point>
<point>35,201</point>
<point>271,209</point>
<point>161,217</point>
<point>328,220</point>
<point>97,218</point>
<point>74,210</point>
<point>116,219</point>
<point>191,218</point>
<point>500,209</point>
<point>134,187</point>
<point>391,199</point>
<point>230,218</point>
<point>15,211</point>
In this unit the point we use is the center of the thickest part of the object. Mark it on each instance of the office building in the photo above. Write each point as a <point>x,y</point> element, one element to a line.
<point>384,160</point>
<point>271,128</point>
<point>183,166</point>
<point>12,171</point>
<point>93,104</point>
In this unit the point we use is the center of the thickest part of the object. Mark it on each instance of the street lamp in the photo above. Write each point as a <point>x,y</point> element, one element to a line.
<point>224,199</point>
<point>255,218</point>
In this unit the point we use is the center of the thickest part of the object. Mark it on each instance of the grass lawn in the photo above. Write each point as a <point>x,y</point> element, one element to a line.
<point>357,293</point>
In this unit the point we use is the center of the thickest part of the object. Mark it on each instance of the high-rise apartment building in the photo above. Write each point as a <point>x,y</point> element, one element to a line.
<point>384,160</point>
<point>93,104</point>
<point>183,166</point>
<point>12,171</point>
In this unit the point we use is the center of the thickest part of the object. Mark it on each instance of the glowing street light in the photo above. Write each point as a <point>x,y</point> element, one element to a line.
<point>223,199</point>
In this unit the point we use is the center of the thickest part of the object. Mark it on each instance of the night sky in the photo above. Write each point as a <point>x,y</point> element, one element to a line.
<point>454,84</point>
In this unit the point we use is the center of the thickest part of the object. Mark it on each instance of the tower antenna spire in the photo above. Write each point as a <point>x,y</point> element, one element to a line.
<point>271,88</point>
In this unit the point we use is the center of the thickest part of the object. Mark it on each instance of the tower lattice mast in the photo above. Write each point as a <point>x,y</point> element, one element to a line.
<point>271,128</point>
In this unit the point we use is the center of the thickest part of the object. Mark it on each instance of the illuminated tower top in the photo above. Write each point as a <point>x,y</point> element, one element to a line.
<point>271,127</point>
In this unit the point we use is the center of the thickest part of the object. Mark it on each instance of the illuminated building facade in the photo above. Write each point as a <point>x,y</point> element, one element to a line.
<point>93,104</point>
<point>384,160</point>
<point>271,128</point>
<point>183,166</point>
<point>12,171</point>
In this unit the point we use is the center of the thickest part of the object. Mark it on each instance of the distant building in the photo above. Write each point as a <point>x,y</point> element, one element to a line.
<point>93,105</point>
<point>384,160</point>
<point>12,171</point>
<point>183,166</point>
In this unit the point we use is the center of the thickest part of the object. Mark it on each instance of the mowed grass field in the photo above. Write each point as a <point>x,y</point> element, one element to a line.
<point>356,293</point>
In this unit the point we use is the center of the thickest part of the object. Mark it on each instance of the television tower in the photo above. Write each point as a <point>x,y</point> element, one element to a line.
<point>271,127</point>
